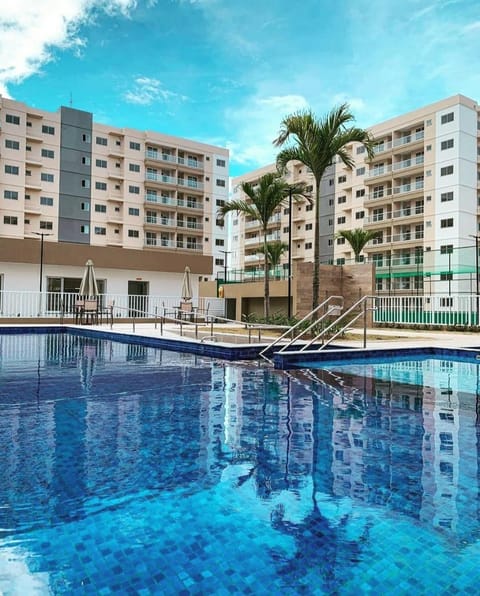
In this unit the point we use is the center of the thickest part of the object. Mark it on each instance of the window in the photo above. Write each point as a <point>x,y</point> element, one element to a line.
<point>446,276</point>
<point>446,249</point>
<point>360,171</point>
<point>330,222</point>
<point>219,242</point>
<point>86,138</point>
<point>342,179</point>
<point>133,211</point>
<point>359,214</point>
<point>360,149</point>
<point>48,201</point>
<point>101,163</point>
<point>10,194</point>
<point>48,153</point>
<point>342,199</point>
<point>221,163</point>
<point>12,120</point>
<point>285,229</point>
<point>446,196</point>
<point>331,182</point>
<point>11,170</point>
<point>133,167</point>
<point>309,207</point>
<point>308,245</point>
<point>360,192</point>
<point>85,206</point>
<point>28,172</point>
<point>341,220</point>
<point>85,229</point>
<point>100,208</point>
<point>133,234</point>
<point>135,190</point>
<point>86,160</point>
<point>10,220</point>
<point>219,202</point>
<point>219,262</point>
<point>135,146</point>
<point>101,141</point>
<point>48,130</point>
<point>447,118</point>
<point>341,240</point>
<point>85,183</point>
<point>446,144</point>
<point>446,171</point>
<point>46,225</point>
<point>100,231</point>
<point>341,260</point>
<point>101,185</point>
<point>446,223</point>
<point>47,177</point>
<point>220,182</point>
<point>308,226</point>
<point>9,144</point>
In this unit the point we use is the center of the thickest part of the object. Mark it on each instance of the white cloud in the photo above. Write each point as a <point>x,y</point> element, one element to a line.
<point>30,31</point>
<point>147,90</point>
<point>257,124</point>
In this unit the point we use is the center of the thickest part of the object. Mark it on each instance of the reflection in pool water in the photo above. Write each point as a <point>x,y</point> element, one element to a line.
<point>127,468</point>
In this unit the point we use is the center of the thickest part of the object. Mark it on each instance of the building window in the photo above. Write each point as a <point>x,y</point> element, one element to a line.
<point>359,214</point>
<point>360,171</point>
<point>446,223</point>
<point>341,220</point>
<point>134,190</point>
<point>101,163</point>
<point>219,242</point>
<point>85,206</point>
<point>47,177</point>
<point>100,208</point>
<point>133,167</point>
<point>360,149</point>
<point>48,130</point>
<point>308,226</point>
<point>219,202</point>
<point>309,207</point>
<point>342,199</point>
<point>86,160</point>
<point>11,170</point>
<point>10,194</point>
<point>48,201</point>
<point>9,144</point>
<point>101,141</point>
<point>46,225</point>
<point>135,146</point>
<point>86,138</point>
<point>133,234</point>
<point>342,179</point>
<point>331,182</point>
<point>85,183</point>
<point>220,182</point>
<point>341,240</point>
<point>11,119</point>
<point>446,249</point>
<point>85,229</point>
<point>48,153</point>
<point>308,245</point>
<point>133,211</point>
<point>100,231</point>
<point>446,276</point>
<point>360,192</point>
<point>285,229</point>
<point>341,260</point>
<point>446,171</point>
<point>219,262</point>
<point>448,144</point>
<point>447,118</point>
<point>221,163</point>
<point>446,196</point>
<point>10,220</point>
<point>330,242</point>
<point>101,185</point>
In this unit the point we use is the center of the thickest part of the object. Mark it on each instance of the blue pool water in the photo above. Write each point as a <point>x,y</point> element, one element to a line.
<point>128,469</point>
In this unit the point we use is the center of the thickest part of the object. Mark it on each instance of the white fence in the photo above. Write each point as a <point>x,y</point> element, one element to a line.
<point>54,304</point>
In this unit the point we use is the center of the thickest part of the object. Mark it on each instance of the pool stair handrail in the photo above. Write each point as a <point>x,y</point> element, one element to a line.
<point>331,309</point>
<point>363,305</point>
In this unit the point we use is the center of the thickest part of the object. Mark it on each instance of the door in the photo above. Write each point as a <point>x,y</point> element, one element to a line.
<point>137,298</point>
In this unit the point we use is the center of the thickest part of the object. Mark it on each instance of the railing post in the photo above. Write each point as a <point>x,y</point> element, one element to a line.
<point>365,322</point>
<point>133,319</point>
<point>156,310</point>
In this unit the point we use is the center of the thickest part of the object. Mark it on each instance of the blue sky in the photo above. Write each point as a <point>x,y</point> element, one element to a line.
<point>227,71</point>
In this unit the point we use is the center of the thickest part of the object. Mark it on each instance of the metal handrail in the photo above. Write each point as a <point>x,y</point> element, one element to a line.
<point>329,312</point>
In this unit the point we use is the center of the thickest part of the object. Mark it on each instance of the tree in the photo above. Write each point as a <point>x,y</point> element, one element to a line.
<point>263,200</point>
<point>316,143</point>
<point>275,251</point>
<point>357,239</point>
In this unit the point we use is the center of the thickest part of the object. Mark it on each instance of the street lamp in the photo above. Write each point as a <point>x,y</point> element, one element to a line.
<point>289,289</point>
<point>477,275</point>
<point>42,236</point>
<point>225,252</point>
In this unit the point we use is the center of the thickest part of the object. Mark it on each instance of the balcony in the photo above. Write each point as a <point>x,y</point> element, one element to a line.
<point>416,211</point>
<point>190,163</point>
<point>377,219</point>
<point>160,221</point>
<point>159,243</point>
<point>409,163</point>
<point>252,258</point>
<point>379,194</point>
<point>406,188</point>
<point>409,139</point>
<point>152,155</point>
<point>161,178</point>
<point>190,225</point>
<point>188,204</point>
<point>189,245</point>
<point>379,171</point>
<point>382,147</point>
<point>190,183</point>
<point>160,199</point>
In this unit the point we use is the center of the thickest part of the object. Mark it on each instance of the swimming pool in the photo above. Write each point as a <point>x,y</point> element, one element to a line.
<point>130,469</point>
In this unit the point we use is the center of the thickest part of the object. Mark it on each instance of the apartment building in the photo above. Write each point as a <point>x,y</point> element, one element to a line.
<point>420,194</point>
<point>142,205</point>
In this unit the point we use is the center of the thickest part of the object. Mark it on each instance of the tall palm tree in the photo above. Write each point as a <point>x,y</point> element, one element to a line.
<point>275,251</point>
<point>316,143</point>
<point>357,239</point>
<point>263,200</point>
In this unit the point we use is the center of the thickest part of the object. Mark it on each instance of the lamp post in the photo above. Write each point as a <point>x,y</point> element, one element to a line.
<point>477,275</point>
<point>289,289</point>
<point>225,253</point>
<point>42,236</point>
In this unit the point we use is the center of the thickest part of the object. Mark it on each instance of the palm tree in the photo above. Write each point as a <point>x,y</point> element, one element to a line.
<point>357,239</point>
<point>275,251</point>
<point>316,143</point>
<point>263,200</point>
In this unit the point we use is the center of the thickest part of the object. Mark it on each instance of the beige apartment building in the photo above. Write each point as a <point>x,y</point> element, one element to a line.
<point>142,205</point>
<point>420,193</point>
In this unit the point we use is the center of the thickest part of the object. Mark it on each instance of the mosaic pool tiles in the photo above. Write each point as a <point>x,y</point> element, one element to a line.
<point>133,470</point>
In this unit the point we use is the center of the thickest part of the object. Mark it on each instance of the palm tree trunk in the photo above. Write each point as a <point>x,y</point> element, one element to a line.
<point>316,249</point>
<point>266,300</point>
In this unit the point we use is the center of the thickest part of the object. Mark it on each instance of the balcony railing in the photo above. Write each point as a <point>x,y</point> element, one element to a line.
<point>190,183</point>
<point>166,157</point>
<point>191,225</point>
<point>160,199</point>
<point>407,139</point>
<point>160,178</point>
<point>408,163</point>
<point>381,147</point>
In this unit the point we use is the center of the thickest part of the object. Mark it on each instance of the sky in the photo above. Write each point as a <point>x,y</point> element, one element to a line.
<point>225,72</point>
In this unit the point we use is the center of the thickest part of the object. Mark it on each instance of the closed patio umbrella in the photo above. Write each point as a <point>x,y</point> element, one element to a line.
<point>187,293</point>
<point>88,287</point>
